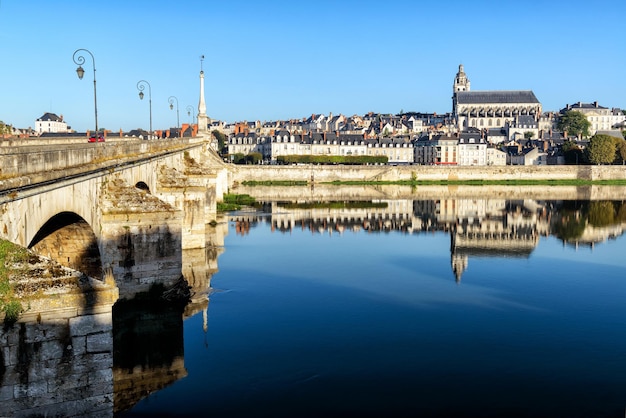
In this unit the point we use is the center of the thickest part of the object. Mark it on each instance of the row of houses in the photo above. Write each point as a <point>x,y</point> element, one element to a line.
<point>469,148</point>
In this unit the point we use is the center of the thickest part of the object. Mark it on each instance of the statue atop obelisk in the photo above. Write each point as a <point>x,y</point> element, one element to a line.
<point>203,119</point>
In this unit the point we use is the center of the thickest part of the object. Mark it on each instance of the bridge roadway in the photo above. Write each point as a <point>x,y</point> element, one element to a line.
<point>126,208</point>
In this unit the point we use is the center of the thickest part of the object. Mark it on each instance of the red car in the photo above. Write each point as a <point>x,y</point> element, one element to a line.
<point>99,138</point>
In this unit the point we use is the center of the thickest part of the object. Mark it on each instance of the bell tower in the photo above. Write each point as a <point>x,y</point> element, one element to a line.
<point>461,83</point>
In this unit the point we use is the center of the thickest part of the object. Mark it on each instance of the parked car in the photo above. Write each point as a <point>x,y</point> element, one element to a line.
<point>94,138</point>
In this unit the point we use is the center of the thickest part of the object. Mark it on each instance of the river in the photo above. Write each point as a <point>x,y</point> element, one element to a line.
<point>457,306</point>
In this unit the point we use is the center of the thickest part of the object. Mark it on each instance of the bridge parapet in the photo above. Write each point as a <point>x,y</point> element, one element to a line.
<point>31,164</point>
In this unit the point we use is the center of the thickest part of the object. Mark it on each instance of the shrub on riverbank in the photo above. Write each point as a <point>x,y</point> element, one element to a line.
<point>331,159</point>
<point>235,202</point>
<point>10,254</point>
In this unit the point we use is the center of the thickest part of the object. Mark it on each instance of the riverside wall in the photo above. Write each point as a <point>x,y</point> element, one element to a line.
<point>384,173</point>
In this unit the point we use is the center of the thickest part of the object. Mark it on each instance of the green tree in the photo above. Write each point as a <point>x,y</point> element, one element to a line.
<point>221,140</point>
<point>5,129</point>
<point>574,123</point>
<point>601,149</point>
<point>528,135</point>
<point>238,158</point>
<point>572,153</point>
<point>253,158</point>
<point>621,150</point>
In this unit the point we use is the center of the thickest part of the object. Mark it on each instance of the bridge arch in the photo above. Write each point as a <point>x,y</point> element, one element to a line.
<point>69,239</point>
<point>143,186</point>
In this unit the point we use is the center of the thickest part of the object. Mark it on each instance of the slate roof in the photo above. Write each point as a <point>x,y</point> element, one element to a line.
<point>490,97</point>
<point>50,117</point>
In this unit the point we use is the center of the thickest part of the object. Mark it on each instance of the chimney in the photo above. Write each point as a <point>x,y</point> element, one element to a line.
<point>594,103</point>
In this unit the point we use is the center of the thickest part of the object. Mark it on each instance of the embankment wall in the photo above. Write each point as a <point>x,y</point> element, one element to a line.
<point>323,174</point>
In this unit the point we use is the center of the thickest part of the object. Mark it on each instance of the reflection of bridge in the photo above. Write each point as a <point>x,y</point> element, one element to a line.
<point>58,359</point>
<point>124,207</point>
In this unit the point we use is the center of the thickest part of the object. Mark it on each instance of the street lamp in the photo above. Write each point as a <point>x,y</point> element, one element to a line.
<point>190,110</point>
<point>80,60</point>
<point>171,101</point>
<point>141,85</point>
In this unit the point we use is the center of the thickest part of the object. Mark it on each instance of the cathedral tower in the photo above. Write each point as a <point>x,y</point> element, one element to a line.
<point>461,83</point>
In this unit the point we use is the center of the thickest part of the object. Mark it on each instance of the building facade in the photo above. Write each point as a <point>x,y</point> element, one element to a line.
<point>50,122</point>
<point>601,118</point>
<point>489,109</point>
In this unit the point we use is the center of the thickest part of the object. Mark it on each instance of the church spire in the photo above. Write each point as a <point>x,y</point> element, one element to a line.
<point>461,82</point>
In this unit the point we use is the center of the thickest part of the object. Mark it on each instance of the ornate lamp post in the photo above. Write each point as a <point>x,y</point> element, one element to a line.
<point>141,85</point>
<point>80,60</point>
<point>171,101</point>
<point>190,109</point>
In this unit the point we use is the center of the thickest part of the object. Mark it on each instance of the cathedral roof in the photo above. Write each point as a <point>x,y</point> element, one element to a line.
<point>502,96</point>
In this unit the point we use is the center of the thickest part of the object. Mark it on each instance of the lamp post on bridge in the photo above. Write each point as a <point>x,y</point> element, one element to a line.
<point>171,101</point>
<point>190,110</point>
<point>141,85</point>
<point>80,60</point>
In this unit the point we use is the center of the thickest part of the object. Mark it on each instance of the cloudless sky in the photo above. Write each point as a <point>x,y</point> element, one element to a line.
<point>274,59</point>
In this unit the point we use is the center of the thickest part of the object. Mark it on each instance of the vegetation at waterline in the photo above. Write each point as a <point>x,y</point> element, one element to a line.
<point>334,205</point>
<point>575,216</point>
<point>10,254</point>
<point>275,183</point>
<point>235,202</point>
<point>332,159</point>
<point>485,182</point>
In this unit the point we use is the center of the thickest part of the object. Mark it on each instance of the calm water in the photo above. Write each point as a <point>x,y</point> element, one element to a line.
<point>425,308</point>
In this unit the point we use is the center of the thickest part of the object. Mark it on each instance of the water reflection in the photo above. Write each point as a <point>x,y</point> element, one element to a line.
<point>111,360</point>
<point>477,227</point>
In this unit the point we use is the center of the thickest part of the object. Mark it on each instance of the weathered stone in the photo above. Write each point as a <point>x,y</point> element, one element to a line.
<point>89,324</point>
<point>100,343</point>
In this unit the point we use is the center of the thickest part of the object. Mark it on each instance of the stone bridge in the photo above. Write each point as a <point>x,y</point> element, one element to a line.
<point>124,208</point>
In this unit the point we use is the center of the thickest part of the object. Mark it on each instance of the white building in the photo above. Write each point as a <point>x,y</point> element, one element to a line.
<point>472,150</point>
<point>50,122</point>
<point>601,118</point>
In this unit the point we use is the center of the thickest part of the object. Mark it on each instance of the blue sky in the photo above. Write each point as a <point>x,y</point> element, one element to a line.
<point>268,60</point>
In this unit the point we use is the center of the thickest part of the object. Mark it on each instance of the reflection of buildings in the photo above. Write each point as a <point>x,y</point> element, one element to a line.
<point>479,227</point>
<point>495,228</point>
<point>383,215</point>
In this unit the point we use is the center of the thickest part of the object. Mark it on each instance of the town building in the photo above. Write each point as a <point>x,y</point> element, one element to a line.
<point>50,122</point>
<point>601,118</point>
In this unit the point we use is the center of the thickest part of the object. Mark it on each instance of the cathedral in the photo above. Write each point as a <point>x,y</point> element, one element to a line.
<point>489,109</point>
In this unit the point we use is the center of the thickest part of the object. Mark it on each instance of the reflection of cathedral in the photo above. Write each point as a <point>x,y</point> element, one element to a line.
<point>477,227</point>
<point>500,230</point>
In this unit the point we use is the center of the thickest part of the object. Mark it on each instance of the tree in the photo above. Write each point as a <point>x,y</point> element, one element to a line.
<point>601,149</point>
<point>221,139</point>
<point>528,135</point>
<point>253,158</point>
<point>572,153</point>
<point>5,129</point>
<point>621,150</point>
<point>575,123</point>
